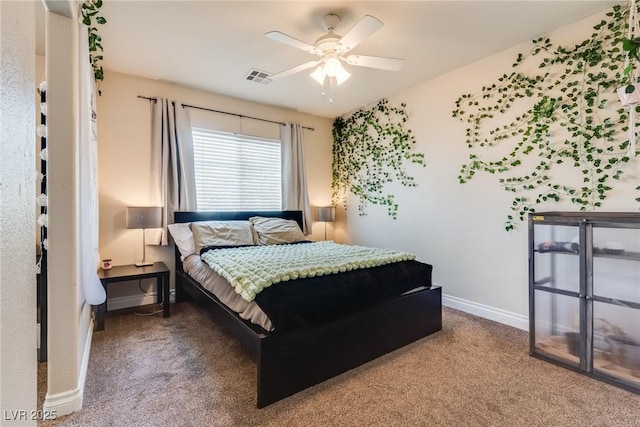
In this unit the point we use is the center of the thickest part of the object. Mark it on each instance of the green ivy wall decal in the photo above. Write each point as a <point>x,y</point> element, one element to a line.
<point>90,18</point>
<point>370,149</point>
<point>572,120</point>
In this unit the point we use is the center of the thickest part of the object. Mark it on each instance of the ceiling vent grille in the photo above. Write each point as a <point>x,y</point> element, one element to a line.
<point>258,76</point>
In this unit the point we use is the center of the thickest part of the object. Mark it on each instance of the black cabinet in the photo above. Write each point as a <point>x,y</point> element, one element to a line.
<point>584,293</point>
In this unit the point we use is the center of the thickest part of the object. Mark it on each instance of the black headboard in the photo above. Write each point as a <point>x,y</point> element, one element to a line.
<point>235,215</point>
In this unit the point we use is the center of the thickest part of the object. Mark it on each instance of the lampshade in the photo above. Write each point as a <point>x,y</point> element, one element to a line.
<point>144,217</point>
<point>326,213</point>
<point>318,74</point>
<point>331,67</point>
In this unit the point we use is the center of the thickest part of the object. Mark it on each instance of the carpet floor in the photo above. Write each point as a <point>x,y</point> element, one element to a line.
<point>186,371</point>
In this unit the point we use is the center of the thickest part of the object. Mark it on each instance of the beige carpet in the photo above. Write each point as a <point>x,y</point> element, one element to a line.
<point>185,371</point>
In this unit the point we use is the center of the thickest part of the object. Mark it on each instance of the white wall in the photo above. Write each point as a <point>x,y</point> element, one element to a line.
<point>18,341</point>
<point>69,320</point>
<point>124,135</point>
<point>460,228</point>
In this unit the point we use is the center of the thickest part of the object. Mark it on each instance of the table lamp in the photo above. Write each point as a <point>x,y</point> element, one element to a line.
<point>326,214</point>
<point>143,217</point>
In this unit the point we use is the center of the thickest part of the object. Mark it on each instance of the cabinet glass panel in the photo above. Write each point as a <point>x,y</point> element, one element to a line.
<point>556,260</point>
<point>616,266</point>
<point>616,341</point>
<point>557,325</point>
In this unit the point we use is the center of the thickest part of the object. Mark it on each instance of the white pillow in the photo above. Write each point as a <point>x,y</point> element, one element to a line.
<point>183,238</point>
<point>273,231</point>
<point>221,233</point>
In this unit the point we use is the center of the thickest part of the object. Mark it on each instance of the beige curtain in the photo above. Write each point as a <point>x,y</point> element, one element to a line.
<point>88,178</point>
<point>295,195</point>
<point>174,183</point>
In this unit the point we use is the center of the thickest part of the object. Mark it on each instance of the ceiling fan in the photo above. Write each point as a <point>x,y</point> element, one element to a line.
<point>331,48</point>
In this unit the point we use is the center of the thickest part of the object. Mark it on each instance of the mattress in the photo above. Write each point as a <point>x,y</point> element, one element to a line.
<point>308,302</point>
<point>218,286</point>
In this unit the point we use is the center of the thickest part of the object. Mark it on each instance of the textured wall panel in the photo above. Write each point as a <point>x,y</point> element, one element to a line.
<point>17,214</point>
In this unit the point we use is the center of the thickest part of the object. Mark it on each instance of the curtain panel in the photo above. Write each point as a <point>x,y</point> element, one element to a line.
<point>172,171</point>
<point>88,178</point>
<point>295,195</point>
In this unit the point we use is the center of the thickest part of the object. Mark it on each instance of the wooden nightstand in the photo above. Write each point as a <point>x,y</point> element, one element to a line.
<point>123,273</point>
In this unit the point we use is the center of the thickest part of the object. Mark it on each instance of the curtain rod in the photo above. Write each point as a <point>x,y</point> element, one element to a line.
<point>225,112</point>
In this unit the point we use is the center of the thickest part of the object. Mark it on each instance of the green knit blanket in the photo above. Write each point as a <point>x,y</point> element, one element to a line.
<point>251,269</point>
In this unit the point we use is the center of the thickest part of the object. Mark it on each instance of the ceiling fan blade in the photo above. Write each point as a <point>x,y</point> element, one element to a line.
<point>294,70</point>
<point>366,26</point>
<point>391,64</point>
<point>283,38</point>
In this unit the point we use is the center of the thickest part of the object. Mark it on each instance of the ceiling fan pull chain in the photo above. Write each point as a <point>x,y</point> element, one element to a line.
<point>330,89</point>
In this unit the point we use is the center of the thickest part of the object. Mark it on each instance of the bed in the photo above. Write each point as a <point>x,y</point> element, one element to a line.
<point>290,360</point>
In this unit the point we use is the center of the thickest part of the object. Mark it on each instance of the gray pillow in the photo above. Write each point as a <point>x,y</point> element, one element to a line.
<point>272,231</point>
<point>222,233</point>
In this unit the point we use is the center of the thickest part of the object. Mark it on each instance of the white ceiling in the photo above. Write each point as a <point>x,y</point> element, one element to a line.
<point>212,45</point>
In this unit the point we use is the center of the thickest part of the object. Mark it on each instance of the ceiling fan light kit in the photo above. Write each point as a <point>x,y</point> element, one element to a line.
<point>330,67</point>
<point>331,48</point>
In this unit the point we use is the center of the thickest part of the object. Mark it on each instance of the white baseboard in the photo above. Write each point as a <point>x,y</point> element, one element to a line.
<point>131,301</point>
<point>498,315</point>
<point>70,401</point>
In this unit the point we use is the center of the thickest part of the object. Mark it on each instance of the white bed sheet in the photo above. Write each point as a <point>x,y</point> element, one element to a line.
<point>220,287</point>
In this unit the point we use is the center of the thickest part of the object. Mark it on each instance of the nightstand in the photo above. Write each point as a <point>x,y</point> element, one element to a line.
<point>123,273</point>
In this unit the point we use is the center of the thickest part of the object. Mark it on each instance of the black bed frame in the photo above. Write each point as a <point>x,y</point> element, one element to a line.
<point>293,361</point>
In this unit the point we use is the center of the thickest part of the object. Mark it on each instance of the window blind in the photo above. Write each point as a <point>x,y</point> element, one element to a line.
<point>236,172</point>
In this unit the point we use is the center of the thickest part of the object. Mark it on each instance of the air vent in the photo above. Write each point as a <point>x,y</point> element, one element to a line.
<point>258,76</point>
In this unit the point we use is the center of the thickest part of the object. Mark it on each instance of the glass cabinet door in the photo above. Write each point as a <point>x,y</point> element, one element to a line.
<point>616,302</point>
<point>556,290</point>
<point>557,328</point>
<point>556,261</point>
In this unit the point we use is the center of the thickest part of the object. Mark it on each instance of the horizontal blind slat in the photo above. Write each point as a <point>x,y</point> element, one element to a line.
<point>236,172</point>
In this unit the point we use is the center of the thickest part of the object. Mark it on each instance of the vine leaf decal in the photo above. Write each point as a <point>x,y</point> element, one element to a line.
<point>90,10</point>
<point>572,122</point>
<point>370,149</point>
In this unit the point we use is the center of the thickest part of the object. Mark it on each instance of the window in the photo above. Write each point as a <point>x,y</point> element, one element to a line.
<point>236,172</point>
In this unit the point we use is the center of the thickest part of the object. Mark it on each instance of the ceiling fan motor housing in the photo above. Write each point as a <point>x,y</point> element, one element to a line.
<point>330,21</point>
<point>328,43</point>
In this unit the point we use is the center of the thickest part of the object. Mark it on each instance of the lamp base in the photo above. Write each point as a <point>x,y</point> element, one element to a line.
<point>143,264</point>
